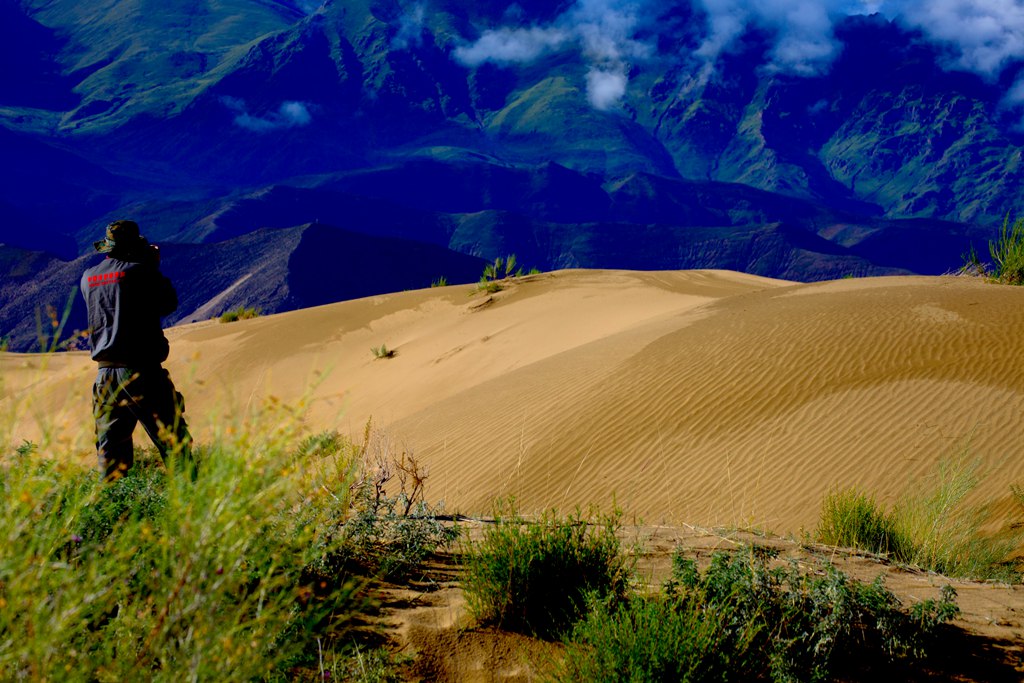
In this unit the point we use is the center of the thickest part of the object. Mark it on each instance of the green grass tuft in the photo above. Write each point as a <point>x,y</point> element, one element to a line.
<point>382,351</point>
<point>535,577</point>
<point>932,526</point>
<point>1007,253</point>
<point>852,519</point>
<point>240,313</point>
<point>496,274</point>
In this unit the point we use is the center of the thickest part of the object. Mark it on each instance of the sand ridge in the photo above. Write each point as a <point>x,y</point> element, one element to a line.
<point>707,397</point>
<point>750,412</point>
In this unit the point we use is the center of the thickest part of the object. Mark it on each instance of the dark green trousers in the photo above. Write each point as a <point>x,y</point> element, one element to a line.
<point>125,397</point>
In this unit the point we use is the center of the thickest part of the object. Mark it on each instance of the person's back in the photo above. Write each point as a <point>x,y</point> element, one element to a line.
<point>126,299</point>
<point>126,295</point>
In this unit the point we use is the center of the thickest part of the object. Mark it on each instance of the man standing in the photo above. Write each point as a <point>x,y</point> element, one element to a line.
<point>126,295</point>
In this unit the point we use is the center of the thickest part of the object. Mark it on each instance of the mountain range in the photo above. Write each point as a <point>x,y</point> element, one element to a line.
<point>578,133</point>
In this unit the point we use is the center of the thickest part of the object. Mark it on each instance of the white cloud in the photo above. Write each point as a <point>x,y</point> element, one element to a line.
<point>295,114</point>
<point>290,114</point>
<point>804,41</point>
<point>506,46</point>
<point>605,89</point>
<point>601,30</point>
<point>410,28</point>
<point>985,35</point>
<point>982,36</point>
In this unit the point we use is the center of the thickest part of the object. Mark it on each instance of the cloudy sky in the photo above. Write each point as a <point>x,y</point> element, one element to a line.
<point>981,36</point>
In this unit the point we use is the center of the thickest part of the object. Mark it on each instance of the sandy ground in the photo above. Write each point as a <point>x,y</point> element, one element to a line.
<point>701,397</point>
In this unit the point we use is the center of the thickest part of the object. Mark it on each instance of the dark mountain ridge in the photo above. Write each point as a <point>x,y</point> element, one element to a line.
<point>569,136</point>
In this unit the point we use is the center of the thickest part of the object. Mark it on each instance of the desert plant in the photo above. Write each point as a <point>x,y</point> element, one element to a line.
<point>852,519</point>
<point>26,448</point>
<point>489,280</point>
<point>440,282</point>
<point>510,266</point>
<point>534,577</point>
<point>382,351</point>
<point>240,313</point>
<point>743,620</point>
<point>1007,252</point>
<point>495,273</point>
<point>932,526</point>
<point>941,532</point>
<point>391,529</point>
<point>973,265</point>
<point>361,665</point>
<point>159,577</point>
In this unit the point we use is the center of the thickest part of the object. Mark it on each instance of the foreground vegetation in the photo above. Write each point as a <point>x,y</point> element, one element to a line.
<point>264,568</point>
<point>1006,252</point>
<point>745,617</point>
<point>931,526</point>
<point>743,620</point>
<point>257,570</point>
<point>536,577</point>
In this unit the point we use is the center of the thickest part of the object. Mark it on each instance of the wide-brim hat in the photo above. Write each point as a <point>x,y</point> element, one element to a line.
<point>120,234</point>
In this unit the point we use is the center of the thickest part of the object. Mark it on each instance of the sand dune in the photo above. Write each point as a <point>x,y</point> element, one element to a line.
<point>700,396</point>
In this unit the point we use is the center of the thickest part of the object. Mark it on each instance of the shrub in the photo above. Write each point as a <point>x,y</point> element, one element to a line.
<point>240,313</point>
<point>139,496</point>
<point>932,527</point>
<point>391,529</point>
<point>942,533</point>
<point>1007,253</point>
<point>534,577</point>
<point>743,620</point>
<point>852,519</point>
<point>162,578</point>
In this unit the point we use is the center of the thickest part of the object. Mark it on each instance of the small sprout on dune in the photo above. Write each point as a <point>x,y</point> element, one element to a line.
<point>440,282</point>
<point>382,351</point>
<point>503,269</point>
<point>510,265</point>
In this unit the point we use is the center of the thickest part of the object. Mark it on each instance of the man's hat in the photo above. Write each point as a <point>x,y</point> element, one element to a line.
<point>124,234</point>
